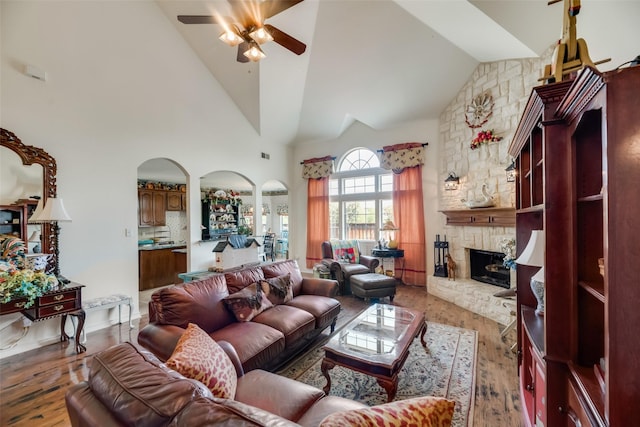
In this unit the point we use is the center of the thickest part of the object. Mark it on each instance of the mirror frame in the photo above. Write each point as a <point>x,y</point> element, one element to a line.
<point>30,155</point>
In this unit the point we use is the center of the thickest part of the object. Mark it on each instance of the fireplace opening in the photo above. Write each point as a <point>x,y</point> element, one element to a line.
<point>486,267</point>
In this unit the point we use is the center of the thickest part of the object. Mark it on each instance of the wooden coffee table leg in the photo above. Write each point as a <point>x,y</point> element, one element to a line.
<point>326,366</point>
<point>391,386</point>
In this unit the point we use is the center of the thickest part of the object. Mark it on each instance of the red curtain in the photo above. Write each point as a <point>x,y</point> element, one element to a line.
<point>408,212</point>
<point>317,218</point>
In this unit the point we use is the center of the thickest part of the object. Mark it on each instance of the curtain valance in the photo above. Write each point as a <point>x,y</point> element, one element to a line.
<point>318,167</point>
<point>400,156</point>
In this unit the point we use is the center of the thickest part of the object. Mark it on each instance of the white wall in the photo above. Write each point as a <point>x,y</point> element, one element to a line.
<point>360,135</point>
<point>122,87</point>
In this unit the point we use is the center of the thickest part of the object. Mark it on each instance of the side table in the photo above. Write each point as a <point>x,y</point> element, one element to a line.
<point>390,253</point>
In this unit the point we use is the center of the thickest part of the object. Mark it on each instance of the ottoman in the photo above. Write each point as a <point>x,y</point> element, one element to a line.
<point>373,285</point>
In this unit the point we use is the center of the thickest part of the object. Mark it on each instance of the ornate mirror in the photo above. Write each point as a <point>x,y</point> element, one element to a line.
<point>31,155</point>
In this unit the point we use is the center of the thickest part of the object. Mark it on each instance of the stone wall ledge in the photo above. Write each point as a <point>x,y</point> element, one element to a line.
<point>473,296</point>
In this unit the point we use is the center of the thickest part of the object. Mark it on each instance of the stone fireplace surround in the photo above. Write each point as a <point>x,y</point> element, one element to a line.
<point>509,83</point>
<point>465,292</point>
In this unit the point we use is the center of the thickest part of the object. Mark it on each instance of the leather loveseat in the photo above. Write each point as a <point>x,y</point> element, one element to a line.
<point>266,341</point>
<point>346,261</point>
<point>128,386</point>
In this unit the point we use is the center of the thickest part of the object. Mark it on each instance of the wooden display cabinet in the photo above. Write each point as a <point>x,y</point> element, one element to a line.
<point>577,179</point>
<point>13,218</point>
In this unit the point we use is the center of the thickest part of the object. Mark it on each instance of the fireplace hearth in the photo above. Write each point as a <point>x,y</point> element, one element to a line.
<point>487,267</point>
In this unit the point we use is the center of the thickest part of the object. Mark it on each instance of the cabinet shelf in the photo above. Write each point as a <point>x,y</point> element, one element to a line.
<point>592,198</point>
<point>595,289</point>
<point>590,389</point>
<point>536,208</point>
<point>534,325</point>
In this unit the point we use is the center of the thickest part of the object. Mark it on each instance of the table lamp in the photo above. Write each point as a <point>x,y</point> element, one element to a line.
<point>533,255</point>
<point>54,212</point>
<point>389,226</point>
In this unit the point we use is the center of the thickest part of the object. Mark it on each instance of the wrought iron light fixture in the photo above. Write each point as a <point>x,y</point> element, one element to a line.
<point>511,172</point>
<point>452,182</point>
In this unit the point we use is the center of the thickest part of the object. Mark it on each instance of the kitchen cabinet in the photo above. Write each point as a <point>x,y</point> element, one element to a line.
<point>176,201</point>
<point>152,205</point>
<point>157,267</point>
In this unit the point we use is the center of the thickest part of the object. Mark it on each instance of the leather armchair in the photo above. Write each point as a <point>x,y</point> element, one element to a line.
<point>342,272</point>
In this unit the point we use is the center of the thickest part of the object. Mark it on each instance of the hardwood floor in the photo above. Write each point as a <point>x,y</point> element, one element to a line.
<point>33,383</point>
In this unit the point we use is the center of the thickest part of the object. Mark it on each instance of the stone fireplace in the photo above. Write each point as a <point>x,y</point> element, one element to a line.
<point>469,293</point>
<point>508,84</point>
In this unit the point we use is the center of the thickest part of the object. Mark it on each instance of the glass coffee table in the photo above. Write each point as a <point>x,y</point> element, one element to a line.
<point>375,343</point>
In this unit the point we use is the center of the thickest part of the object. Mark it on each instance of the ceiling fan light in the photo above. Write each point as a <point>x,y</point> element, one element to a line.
<point>231,38</point>
<point>254,53</point>
<point>261,35</point>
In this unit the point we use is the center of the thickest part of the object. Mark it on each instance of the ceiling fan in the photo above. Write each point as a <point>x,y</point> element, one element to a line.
<point>247,29</point>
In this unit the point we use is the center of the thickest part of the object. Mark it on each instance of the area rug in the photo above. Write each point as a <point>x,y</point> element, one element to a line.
<point>447,369</point>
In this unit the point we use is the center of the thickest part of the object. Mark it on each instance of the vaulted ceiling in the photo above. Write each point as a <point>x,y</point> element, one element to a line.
<point>385,62</point>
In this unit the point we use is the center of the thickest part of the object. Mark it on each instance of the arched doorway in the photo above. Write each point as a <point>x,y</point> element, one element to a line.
<point>163,224</point>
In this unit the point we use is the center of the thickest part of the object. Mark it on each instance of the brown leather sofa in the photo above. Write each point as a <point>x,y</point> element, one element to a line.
<point>129,386</point>
<point>342,271</point>
<point>268,340</point>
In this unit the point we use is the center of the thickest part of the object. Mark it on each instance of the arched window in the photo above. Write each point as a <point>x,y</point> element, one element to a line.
<point>360,196</point>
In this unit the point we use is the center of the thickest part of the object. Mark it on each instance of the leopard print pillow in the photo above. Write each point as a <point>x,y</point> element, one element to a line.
<point>199,357</point>
<point>420,411</point>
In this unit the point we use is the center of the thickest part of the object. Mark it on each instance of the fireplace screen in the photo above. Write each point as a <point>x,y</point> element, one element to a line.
<point>487,267</point>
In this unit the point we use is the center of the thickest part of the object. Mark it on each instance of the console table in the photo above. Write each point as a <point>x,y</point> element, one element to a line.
<point>64,301</point>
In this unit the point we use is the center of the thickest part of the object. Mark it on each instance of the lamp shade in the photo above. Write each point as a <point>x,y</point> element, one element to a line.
<point>39,208</point>
<point>389,226</point>
<point>53,211</point>
<point>533,253</point>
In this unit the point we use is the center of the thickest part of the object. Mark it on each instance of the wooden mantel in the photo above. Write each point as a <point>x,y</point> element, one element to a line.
<point>482,217</point>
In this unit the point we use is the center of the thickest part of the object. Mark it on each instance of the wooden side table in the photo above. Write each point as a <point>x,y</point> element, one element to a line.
<point>62,302</point>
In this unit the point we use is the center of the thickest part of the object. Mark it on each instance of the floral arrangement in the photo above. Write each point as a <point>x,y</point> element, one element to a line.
<point>508,247</point>
<point>26,283</point>
<point>484,137</point>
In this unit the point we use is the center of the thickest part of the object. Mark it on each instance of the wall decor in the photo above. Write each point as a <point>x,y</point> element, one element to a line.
<point>479,110</point>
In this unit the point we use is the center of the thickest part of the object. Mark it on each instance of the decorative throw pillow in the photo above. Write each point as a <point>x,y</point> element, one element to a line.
<point>199,357</point>
<point>249,302</point>
<point>280,289</point>
<point>346,251</point>
<point>420,411</point>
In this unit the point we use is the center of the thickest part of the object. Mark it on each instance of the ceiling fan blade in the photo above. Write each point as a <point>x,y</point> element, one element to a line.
<point>242,48</point>
<point>285,40</point>
<point>201,19</point>
<point>273,7</point>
